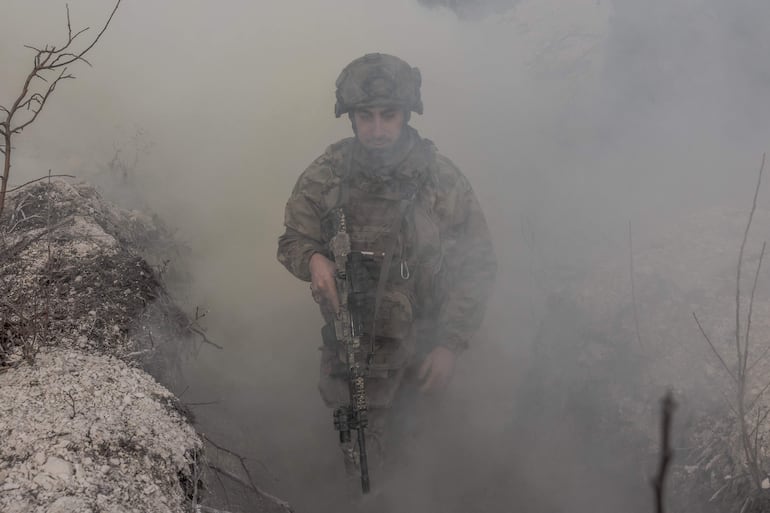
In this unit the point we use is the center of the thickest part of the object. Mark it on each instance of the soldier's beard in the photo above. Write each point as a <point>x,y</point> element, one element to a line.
<point>383,161</point>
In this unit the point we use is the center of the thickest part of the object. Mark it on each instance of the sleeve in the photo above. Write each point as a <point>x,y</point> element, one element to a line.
<point>302,220</point>
<point>470,267</point>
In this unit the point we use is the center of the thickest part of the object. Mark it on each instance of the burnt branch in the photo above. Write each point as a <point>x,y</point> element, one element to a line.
<point>40,100</point>
<point>39,179</point>
<point>633,287</point>
<point>751,309</point>
<point>46,62</point>
<point>666,453</point>
<point>714,349</point>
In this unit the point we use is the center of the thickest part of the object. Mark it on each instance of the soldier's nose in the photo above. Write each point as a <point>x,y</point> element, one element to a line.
<point>379,129</point>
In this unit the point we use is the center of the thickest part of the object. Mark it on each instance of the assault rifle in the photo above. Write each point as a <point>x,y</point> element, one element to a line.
<point>348,329</point>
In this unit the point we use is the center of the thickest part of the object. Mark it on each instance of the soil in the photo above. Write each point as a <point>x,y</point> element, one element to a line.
<point>87,334</point>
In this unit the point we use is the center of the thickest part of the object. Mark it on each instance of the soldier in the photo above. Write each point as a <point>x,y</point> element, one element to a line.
<point>429,261</point>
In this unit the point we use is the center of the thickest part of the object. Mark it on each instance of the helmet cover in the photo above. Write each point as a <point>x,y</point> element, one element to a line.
<point>378,80</point>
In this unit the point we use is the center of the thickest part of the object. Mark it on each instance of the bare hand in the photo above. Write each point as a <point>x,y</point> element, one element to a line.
<point>322,283</point>
<point>437,369</point>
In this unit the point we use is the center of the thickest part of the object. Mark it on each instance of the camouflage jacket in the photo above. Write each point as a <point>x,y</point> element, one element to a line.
<point>449,250</point>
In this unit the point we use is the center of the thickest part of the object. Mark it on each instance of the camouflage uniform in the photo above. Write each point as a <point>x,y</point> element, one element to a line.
<point>443,261</point>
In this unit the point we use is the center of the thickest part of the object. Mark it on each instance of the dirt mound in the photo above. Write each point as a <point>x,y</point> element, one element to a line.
<point>75,274</point>
<point>85,433</point>
<point>83,315</point>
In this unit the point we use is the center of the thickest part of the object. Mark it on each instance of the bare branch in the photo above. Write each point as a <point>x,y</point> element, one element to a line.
<point>73,57</point>
<point>41,102</point>
<point>751,309</point>
<point>69,24</point>
<point>759,359</point>
<point>45,59</point>
<point>250,486</point>
<point>633,291</point>
<point>758,396</point>
<point>38,179</point>
<point>96,39</point>
<point>714,349</point>
<point>203,336</point>
<point>666,453</point>
<point>760,420</point>
<point>72,404</point>
<point>242,459</point>
<point>78,33</point>
<point>741,368</point>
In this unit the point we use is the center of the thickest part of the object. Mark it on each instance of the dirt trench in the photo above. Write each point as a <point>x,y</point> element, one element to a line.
<point>90,342</point>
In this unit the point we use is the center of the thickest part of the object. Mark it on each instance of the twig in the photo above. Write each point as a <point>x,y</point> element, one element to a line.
<point>207,403</point>
<point>137,353</point>
<point>741,369</point>
<point>240,458</point>
<point>72,403</point>
<point>251,486</point>
<point>745,504</point>
<point>742,353</point>
<point>714,349</point>
<point>38,180</point>
<point>751,309</point>
<point>633,292</point>
<point>759,358</point>
<point>759,394</point>
<point>204,337</point>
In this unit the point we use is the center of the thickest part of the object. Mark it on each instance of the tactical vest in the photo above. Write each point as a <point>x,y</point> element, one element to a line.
<point>393,215</point>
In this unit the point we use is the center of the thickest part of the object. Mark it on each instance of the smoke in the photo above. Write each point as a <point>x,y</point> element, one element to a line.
<point>569,119</point>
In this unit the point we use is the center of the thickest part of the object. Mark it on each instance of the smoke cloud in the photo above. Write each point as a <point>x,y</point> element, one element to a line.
<point>569,118</point>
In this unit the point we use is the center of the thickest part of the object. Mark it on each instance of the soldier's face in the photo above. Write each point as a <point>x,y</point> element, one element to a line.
<point>378,128</point>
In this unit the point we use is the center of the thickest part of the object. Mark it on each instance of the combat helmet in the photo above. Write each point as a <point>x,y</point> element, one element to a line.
<point>378,80</point>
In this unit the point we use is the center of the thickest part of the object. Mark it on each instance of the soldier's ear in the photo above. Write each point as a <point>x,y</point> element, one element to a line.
<point>352,122</point>
<point>407,116</point>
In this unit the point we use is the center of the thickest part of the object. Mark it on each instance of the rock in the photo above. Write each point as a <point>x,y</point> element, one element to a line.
<point>58,467</point>
<point>69,505</point>
<point>18,507</point>
<point>79,426</point>
<point>45,481</point>
<point>7,487</point>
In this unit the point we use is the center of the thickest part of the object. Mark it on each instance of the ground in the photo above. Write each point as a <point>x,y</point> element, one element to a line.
<point>87,331</point>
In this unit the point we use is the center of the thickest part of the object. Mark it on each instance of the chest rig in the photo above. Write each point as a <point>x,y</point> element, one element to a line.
<point>397,242</point>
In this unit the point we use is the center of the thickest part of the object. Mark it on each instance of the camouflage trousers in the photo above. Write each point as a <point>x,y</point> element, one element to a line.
<point>392,431</point>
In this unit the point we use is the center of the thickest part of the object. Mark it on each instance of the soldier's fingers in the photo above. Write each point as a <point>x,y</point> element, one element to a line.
<point>326,287</point>
<point>335,301</point>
